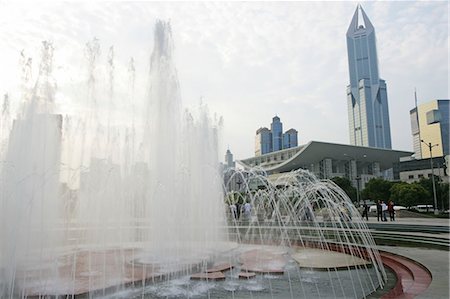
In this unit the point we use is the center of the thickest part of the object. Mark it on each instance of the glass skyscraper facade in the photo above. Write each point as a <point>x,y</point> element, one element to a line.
<point>263,141</point>
<point>277,134</point>
<point>290,138</point>
<point>367,101</point>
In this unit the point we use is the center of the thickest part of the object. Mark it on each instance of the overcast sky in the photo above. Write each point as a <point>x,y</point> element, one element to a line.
<point>249,61</point>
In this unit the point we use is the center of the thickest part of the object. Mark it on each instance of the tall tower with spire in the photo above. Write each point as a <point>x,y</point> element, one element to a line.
<point>367,101</point>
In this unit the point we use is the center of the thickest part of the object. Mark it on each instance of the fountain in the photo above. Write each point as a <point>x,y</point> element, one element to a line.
<point>107,202</point>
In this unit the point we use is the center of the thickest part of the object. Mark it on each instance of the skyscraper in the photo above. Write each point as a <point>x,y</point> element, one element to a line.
<point>290,138</point>
<point>263,141</point>
<point>277,134</point>
<point>368,111</point>
<point>229,161</point>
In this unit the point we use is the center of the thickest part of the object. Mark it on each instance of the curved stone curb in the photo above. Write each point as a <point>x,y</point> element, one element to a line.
<point>412,277</point>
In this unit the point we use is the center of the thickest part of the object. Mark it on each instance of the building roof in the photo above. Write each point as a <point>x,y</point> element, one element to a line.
<point>316,151</point>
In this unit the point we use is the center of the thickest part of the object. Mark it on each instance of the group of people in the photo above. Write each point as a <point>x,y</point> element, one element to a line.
<point>382,210</point>
<point>237,209</point>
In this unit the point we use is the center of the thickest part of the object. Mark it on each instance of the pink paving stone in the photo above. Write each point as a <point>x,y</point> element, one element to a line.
<point>263,261</point>
<point>208,276</point>
<point>246,275</point>
<point>220,267</point>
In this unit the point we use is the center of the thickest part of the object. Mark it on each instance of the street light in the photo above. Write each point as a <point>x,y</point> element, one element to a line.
<point>357,178</point>
<point>430,147</point>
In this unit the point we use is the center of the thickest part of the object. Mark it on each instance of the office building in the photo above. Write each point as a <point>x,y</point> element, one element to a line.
<point>276,127</point>
<point>327,160</point>
<point>430,123</point>
<point>290,138</point>
<point>263,141</point>
<point>367,100</point>
<point>229,161</point>
<point>267,141</point>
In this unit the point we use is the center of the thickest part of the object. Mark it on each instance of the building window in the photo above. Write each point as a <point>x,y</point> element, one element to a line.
<point>420,176</point>
<point>410,176</point>
<point>429,175</point>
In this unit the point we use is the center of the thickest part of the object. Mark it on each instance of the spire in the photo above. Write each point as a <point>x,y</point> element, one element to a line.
<point>360,21</point>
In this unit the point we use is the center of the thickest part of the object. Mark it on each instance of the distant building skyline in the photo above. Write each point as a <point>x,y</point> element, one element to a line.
<point>368,112</point>
<point>273,140</point>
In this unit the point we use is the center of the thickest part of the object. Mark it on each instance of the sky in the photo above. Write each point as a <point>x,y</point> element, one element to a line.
<point>248,61</point>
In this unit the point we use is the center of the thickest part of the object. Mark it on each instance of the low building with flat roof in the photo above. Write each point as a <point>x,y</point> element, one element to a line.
<point>327,160</point>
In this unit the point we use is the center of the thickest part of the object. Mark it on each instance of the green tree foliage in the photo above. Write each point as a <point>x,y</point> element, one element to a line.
<point>442,192</point>
<point>408,195</point>
<point>377,189</point>
<point>346,185</point>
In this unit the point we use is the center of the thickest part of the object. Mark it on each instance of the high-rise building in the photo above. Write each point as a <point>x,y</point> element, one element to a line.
<point>277,134</point>
<point>290,138</point>
<point>229,162</point>
<point>263,141</point>
<point>273,140</point>
<point>430,123</point>
<point>368,111</point>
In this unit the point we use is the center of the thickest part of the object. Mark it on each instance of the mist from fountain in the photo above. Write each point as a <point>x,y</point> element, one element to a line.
<point>110,198</point>
<point>76,192</point>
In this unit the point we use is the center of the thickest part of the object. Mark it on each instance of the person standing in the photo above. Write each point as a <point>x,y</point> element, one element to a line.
<point>233,211</point>
<point>384,209</point>
<point>238,210</point>
<point>247,210</point>
<point>365,212</point>
<point>391,210</point>
<point>379,210</point>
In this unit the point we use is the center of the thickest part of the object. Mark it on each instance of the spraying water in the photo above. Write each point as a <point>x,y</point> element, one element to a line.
<point>107,203</point>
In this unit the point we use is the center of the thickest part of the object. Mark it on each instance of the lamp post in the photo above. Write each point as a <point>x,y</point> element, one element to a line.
<point>430,147</point>
<point>357,178</point>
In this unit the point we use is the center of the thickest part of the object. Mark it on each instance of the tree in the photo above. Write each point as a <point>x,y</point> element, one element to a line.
<point>377,189</point>
<point>408,195</point>
<point>445,195</point>
<point>346,185</point>
<point>442,194</point>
